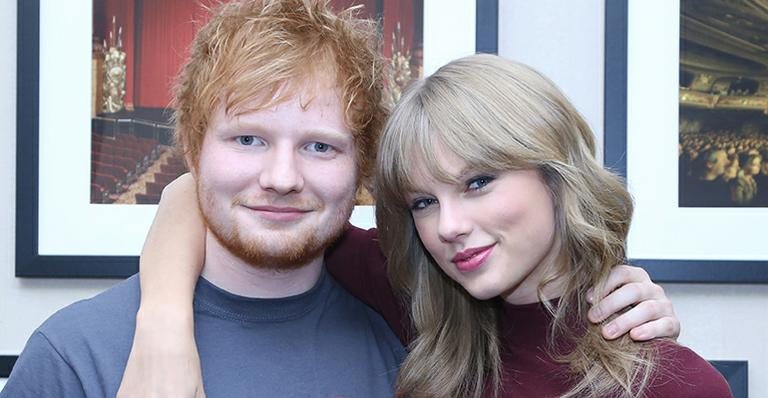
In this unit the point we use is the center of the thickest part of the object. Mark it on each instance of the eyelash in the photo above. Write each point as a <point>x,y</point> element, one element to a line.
<point>241,138</point>
<point>416,205</point>
<point>256,140</point>
<point>328,147</point>
<point>482,181</point>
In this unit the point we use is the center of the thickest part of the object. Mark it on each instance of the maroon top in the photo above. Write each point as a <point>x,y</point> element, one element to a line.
<point>357,263</point>
<point>529,371</point>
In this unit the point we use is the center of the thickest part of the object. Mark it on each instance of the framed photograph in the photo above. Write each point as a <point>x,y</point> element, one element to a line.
<point>658,107</point>
<point>93,135</point>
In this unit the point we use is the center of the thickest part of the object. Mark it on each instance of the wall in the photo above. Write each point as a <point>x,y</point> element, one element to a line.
<point>719,321</point>
<point>564,40</point>
<point>25,303</point>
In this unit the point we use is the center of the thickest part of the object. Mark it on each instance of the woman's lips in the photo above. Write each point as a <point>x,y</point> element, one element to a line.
<point>472,259</point>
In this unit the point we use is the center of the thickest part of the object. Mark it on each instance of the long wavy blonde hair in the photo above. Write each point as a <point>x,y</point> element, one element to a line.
<point>499,115</point>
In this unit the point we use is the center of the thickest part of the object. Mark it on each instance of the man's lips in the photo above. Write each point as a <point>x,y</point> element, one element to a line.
<point>473,258</point>
<point>279,213</point>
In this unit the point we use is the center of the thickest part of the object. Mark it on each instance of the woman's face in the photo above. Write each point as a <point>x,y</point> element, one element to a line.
<point>490,232</point>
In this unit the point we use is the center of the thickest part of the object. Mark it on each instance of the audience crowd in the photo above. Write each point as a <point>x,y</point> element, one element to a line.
<point>723,169</point>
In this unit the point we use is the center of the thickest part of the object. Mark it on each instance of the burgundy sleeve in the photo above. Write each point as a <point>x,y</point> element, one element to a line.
<point>683,373</point>
<point>357,263</point>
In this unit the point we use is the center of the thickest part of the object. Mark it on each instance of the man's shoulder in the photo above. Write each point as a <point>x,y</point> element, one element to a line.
<point>81,350</point>
<point>115,308</point>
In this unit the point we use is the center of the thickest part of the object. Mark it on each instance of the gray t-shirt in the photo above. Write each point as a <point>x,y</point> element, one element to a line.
<point>321,343</point>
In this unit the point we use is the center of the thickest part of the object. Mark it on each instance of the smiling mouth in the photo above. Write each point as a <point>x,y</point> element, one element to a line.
<point>472,259</point>
<point>278,213</point>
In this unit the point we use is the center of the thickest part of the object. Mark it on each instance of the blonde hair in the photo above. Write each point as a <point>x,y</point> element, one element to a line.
<point>256,53</point>
<point>500,115</point>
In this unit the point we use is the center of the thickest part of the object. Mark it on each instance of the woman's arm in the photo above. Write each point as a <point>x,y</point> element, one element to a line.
<point>164,361</point>
<point>359,265</point>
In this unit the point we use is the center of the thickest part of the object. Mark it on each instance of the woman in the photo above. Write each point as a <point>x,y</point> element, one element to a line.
<point>486,176</point>
<point>469,254</point>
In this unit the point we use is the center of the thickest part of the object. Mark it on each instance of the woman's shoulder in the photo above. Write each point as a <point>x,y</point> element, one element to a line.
<point>680,372</point>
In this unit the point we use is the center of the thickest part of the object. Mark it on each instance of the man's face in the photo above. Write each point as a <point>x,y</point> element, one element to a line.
<point>716,162</point>
<point>276,186</point>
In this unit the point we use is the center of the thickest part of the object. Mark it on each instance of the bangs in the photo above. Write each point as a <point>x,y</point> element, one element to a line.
<point>423,126</point>
<point>256,84</point>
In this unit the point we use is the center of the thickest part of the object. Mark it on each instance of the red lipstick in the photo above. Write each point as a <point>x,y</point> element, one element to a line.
<point>473,258</point>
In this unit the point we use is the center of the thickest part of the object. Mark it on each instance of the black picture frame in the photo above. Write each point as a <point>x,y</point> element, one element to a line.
<point>29,262</point>
<point>6,365</point>
<point>615,155</point>
<point>736,374</point>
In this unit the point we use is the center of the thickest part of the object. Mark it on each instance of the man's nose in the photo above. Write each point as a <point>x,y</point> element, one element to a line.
<point>281,173</point>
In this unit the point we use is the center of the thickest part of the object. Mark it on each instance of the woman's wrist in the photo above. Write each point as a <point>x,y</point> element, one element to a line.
<point>176,316</point>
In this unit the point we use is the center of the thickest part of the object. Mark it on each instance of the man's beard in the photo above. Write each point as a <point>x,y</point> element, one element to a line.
<point>304,245</point>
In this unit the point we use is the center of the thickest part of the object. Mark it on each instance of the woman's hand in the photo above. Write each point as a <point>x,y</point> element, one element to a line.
<point>164,361</point>
<point>651,314</point>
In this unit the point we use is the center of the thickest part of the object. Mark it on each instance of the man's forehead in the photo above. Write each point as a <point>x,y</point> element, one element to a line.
<point>313,90</point>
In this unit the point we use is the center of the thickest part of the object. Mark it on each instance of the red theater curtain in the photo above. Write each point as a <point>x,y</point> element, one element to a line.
<point>398,11</point>
<point>167,28</point>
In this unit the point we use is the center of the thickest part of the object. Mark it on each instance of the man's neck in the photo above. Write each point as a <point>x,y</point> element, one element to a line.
<point>231,273</point>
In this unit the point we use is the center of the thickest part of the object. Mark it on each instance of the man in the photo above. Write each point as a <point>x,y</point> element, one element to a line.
<point>277,122</point>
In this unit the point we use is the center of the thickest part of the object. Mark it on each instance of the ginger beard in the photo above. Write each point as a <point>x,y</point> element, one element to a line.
<point>297,246</point>
<point>276,185</point>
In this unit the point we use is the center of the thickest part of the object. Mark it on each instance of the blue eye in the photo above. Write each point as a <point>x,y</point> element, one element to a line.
<point>248,140</point>
<point>479,182</point>
<point>422,203</point>
<point>319,147</point>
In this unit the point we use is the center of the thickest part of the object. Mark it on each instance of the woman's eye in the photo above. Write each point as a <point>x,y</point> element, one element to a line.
<point>479,182</point>
<point>320,147</point>
<point>248,140</point>
<point>422,203</point>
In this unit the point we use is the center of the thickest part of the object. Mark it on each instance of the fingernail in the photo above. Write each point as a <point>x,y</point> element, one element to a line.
<point>594,313</point>
<point>590,296</point>
<point>611,330</point>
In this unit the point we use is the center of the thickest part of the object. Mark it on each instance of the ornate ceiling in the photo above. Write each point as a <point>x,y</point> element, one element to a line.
<point>725,37</point>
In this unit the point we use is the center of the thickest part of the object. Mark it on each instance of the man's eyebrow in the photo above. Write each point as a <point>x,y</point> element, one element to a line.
<point>239,122</point>
<point>328,132</point>
<point>259,127</point>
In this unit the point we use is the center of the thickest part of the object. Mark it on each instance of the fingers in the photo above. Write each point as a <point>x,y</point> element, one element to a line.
<point>646,320</point>
<point>651,314</point>
<point>627,295</point>
<point>621,275</point>
<point>664,327</point>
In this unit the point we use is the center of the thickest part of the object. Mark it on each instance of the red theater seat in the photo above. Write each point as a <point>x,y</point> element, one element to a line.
<point>147,199</point>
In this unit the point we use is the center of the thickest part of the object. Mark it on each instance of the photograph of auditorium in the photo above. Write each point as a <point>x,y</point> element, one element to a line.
<point>138,47</point>
<point>723,124</point>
